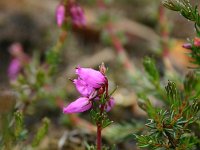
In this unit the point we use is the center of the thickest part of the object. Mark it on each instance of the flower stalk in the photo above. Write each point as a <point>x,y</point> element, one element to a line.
<point>99,138</point>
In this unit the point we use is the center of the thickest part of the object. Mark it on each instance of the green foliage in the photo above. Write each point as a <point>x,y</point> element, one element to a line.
<point>172,94</point>
<point>151,82</point>
<point>53,58</point>
<point>195,55</point>
<point>151,70</point>
<point>19,131</point>
<point>175,125</point>
<point>192,85</point>
<point>42,131</point>
<point>118,132</point>
<point>168,129</point>
<point>146,105</point>
<point>12,129</point>
<point>100,117</point>
<point>92,147</point>
<point>33,87</point>
<point>185,9</point>
<point>191,13</point>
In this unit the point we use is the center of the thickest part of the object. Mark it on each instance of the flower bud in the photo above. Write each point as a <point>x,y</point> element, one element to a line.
<point>102,68</point>
<point>109,104</point>
<point>187,45</point>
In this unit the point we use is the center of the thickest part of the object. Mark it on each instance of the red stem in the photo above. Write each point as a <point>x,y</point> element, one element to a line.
<point>98,136</point>
<point>99,125</point>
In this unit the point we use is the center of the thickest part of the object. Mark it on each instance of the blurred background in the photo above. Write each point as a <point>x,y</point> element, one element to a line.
<point>119,33</point>
<point>32,23</point>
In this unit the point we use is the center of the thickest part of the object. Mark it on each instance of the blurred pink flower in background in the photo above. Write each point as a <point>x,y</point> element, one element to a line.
<point>16,49</point>
<point>197,41</point>
<point>60,14</point>
<point>19,58</point>
<point>187,45</point>
<point>77,15</point>
<point>14,69</point>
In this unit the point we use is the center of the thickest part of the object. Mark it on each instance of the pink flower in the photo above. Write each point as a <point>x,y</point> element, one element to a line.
<point>88,84</point>
<point>60,14</point>
<point>14,68</point>
<point>83,88</point>
<point>80,105</point>
<point>110,104</point>
<point>77,15</point>
<point>91,77</point>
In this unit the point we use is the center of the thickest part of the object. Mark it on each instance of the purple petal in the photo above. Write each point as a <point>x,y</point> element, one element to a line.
<point>14,69</point>
<point>91,77</point>
<point>82,87</point>
<point>80,105</point>
<point>110,104</point>
<point>60,14</point>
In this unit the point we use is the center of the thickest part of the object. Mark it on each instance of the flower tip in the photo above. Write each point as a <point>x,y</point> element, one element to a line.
<point>102,68</point>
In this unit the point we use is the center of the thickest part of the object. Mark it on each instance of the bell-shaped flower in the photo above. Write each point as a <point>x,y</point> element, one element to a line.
<point>60,14</point>
<point>83,88</point>
<point>109,104</point>
<point>80,105</point>
<point>91,77</point>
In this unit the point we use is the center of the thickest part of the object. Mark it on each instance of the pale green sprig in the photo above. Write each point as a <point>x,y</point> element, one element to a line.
<point>185,8</point>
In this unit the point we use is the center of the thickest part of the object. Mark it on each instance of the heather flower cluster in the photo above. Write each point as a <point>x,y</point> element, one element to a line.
<point>92,85</point>
<point>77,15</point>
<point>70,10</point>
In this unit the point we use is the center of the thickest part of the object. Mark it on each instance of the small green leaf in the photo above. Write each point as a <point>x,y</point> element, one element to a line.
<point>19,123</point>
<point>42,131</point>
<point>150,68</point>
